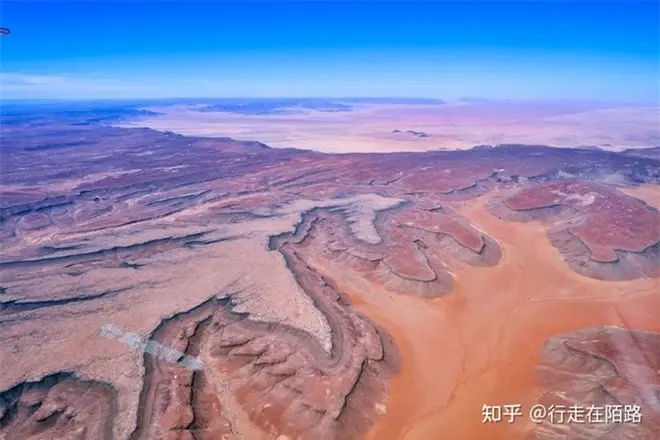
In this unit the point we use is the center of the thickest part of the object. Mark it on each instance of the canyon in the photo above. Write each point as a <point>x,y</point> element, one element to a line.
<point>328,296</point>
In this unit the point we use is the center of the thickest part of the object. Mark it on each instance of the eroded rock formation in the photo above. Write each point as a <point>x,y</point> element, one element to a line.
<point>604,372</point>
<point>222,250</point>
<point>267,380</point>
<point>58,406</point>
<point>601,232</point>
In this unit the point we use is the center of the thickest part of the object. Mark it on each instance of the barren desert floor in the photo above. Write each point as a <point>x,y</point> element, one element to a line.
<point>326,296</point>
<point>648,193</point>
<point>481,344</point>
<point>378,128</point>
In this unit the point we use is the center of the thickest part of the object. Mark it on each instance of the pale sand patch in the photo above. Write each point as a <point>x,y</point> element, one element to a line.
<point>369,128</point>
<point>170,282</point>
<point>481,343</point>
<point>278,297</point>
<point>648,193</point>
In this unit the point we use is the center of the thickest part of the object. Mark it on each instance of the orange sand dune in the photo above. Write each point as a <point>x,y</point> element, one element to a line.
<point>481,343</point>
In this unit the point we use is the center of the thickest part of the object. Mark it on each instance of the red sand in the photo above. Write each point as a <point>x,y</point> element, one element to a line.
<point>480,344</point>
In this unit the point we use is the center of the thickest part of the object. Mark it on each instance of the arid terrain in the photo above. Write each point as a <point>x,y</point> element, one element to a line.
<point>376,127</point>
<point>380,296</point>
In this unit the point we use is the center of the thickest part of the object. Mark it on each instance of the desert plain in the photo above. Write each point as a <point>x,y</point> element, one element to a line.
<point>378,127</point>
<point>380,293</point>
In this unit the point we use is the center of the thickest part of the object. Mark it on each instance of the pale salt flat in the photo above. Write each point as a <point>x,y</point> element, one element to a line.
<point>369,128</point>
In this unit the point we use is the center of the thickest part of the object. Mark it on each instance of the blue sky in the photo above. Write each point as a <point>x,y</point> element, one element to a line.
<point>585,50</point>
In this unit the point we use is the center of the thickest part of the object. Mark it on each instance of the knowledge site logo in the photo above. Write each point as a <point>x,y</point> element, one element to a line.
<point>562,414</point>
